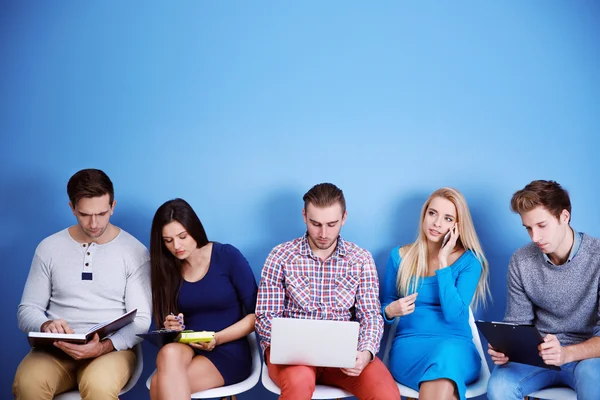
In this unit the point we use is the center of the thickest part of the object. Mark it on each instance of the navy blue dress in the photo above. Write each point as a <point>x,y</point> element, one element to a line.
<point>221,298</point>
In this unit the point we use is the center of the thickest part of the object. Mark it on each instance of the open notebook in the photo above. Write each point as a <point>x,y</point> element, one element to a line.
<point>103,329</point>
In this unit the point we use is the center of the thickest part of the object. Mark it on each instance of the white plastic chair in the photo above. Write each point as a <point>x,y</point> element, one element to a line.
<point>236,388</point>
<point>321,391</point>
<point>474,389</point>
<point>139,365</point>
<point>554,393</point>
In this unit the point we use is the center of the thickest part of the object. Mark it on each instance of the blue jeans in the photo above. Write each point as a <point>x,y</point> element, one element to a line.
<point>515,381</point>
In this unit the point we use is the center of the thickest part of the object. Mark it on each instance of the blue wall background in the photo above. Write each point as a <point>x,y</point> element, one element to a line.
<point>240,107</point>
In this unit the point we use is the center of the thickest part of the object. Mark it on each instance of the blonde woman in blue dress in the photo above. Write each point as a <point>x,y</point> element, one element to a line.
<point>430,287</point>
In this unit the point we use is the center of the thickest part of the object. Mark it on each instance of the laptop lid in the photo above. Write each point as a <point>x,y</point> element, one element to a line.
<point>317,343</point>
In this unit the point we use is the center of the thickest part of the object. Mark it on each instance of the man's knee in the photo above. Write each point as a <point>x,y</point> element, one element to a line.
<point>38,377</point>
<point>297,382</point>
<point>376,382</point>
<point>587,373</point>
<point>99,388</point>
<point>501,387</point>
<point>105,376</point>
<point>30,386</point>
<point>588,369</point>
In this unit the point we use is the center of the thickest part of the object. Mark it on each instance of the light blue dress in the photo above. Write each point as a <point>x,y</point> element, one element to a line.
<point>435,341</point>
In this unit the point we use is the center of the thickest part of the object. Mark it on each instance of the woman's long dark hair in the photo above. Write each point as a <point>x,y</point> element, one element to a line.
<point>165,268</point>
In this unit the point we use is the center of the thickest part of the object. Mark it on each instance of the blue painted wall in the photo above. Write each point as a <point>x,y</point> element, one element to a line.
<point>240,107</point>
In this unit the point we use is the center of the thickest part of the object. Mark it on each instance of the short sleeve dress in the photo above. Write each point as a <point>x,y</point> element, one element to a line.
<point>220,299</point>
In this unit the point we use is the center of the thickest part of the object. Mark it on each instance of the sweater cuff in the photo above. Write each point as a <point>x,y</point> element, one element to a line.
<point>385,318</point>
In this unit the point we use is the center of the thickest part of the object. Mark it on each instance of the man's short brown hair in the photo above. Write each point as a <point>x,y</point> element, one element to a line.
<point>89,183</point>
<point>325,195</point>
<point>547,194</point>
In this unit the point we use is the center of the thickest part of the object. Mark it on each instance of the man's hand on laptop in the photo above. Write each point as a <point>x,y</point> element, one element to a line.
<point>497,357</point>
<point>551,351</point>
<point>363,358</point>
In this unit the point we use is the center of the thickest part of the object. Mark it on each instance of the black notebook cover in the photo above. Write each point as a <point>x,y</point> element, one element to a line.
<point>518,342</point>
<point>160,338</point>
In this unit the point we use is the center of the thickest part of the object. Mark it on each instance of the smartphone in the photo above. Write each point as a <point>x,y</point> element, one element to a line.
<point>446,238</point>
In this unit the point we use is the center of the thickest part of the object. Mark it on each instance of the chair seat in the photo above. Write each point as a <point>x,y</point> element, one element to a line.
<point>321,391</point>
<point>139,365</point>
<point>236,388</point>
<point>554,393</point>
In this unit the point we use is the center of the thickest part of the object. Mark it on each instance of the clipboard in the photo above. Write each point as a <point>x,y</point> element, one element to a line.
<point>160,337</point>
<point>518,342</point>
<point>164,336</point>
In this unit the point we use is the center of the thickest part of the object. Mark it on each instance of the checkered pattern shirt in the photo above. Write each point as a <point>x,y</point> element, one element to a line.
<point>297,284</point>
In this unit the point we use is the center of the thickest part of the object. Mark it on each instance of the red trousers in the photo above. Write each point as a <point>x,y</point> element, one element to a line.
<point>297,382</point>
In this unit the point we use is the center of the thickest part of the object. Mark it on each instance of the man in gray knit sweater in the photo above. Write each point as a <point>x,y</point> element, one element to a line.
<point>81,276</point>
<point>553,283</point>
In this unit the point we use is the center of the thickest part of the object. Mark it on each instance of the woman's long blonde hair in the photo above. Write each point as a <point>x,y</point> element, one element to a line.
<point>414,262</point>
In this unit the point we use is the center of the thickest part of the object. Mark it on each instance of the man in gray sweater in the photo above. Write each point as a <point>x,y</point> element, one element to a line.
<point>89,273</point>
<point>553,284</point>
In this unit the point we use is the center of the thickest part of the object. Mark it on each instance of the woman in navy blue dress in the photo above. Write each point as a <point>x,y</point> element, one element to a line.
<point>198,285</point>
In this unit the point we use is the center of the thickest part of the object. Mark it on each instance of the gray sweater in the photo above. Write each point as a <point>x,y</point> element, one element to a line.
<point>120,282</point>
<point>563,299</point>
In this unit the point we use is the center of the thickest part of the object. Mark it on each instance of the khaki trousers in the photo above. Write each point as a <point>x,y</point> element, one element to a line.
<point>43,374</point>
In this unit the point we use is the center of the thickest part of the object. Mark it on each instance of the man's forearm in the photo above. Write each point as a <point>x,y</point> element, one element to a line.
<point>582,351</point>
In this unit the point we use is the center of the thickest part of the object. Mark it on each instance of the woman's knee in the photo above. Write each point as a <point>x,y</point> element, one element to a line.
<point>173,353</point>
<point>442,384</point>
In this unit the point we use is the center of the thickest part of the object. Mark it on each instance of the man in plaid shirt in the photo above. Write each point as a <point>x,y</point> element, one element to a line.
<point>322,276</point>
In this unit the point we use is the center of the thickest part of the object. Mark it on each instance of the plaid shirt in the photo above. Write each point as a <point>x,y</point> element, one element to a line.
<point>297,284</point>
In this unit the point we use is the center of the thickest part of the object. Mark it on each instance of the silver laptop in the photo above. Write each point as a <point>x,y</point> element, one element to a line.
<point>314,342</point>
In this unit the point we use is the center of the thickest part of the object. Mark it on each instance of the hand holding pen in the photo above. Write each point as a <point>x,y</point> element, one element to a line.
<point>174,322</point>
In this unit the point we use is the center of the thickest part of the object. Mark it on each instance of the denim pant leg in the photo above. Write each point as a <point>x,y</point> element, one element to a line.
<point>586,377</point>
<point>513,381</point>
